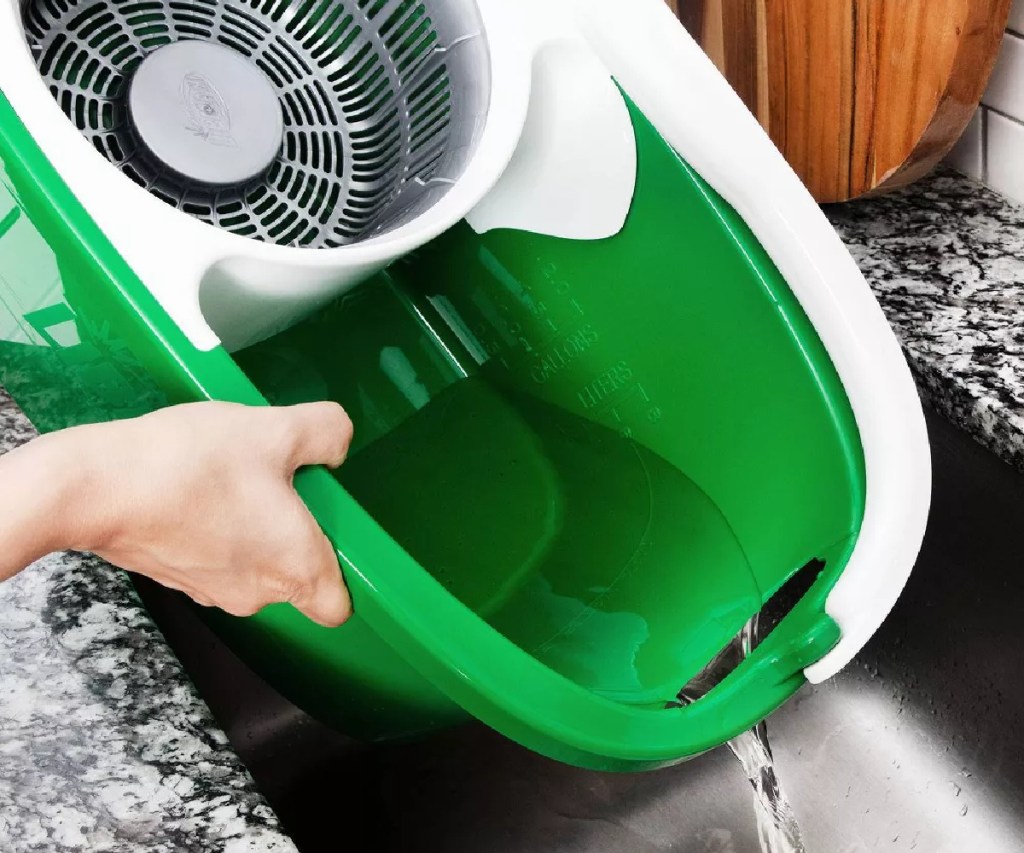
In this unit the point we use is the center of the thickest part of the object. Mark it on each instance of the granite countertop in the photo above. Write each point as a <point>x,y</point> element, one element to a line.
<point>945,257</point>
<point>104,744</point>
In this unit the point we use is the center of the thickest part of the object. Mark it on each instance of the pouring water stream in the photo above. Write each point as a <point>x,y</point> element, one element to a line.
<point>777,827</point>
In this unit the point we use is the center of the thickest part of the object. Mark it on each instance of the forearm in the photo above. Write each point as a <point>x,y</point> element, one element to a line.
<point>40,499</point>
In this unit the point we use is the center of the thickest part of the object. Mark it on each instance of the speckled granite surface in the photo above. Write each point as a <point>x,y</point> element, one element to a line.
<point>945,258</point>
<point>104,745</point>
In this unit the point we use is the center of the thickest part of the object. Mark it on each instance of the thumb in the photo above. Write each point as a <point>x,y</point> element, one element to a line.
<point>319,433</point>
<point>325,600</point>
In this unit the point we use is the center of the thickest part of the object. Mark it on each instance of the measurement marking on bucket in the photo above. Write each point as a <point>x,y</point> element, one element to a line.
<point>565,351</point>
<point>604,386</point>
<point>553,332</point>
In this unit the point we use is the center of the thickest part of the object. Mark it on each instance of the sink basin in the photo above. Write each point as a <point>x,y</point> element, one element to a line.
<point>911,748</point>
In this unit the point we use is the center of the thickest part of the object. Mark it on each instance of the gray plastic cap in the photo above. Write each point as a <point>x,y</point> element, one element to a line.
<point>206,112</point>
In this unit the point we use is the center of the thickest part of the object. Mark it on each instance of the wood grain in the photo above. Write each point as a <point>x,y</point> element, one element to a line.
<point>861,96</point>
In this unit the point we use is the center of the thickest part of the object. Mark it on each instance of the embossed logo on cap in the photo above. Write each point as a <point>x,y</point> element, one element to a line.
<point>206,111</point>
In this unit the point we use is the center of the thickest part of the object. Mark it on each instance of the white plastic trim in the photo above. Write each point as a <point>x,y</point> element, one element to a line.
<point>577,127</point>
<point>251,289</point>
<point>671,80</point>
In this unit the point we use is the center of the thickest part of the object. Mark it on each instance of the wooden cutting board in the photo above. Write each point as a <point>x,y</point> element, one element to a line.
<point>861,96</point>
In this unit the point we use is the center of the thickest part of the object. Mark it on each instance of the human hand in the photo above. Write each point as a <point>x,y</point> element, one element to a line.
<point>199,498</point>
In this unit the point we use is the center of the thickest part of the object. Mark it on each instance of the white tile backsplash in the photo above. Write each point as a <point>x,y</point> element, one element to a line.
<point>1006,88</point>
<point>969,154</point>
<point>1017,17</point>
<point>1005,167</point>
<point>992,147</point>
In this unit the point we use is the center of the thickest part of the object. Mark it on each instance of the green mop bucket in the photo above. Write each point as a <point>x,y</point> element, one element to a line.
<point>573,480</point>
<point>579,468</point>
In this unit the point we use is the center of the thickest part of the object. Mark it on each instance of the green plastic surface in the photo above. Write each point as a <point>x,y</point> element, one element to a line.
<point>579,467</point>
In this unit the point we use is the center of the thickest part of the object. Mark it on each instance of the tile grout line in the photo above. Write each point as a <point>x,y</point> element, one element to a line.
<point>1003,113</point>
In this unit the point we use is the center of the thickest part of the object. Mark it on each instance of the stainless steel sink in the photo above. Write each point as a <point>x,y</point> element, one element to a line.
<point>919,745</point>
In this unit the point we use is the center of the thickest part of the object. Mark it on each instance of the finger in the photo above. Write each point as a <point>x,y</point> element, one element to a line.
<point>325,599</point>
<point>319,434</point>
